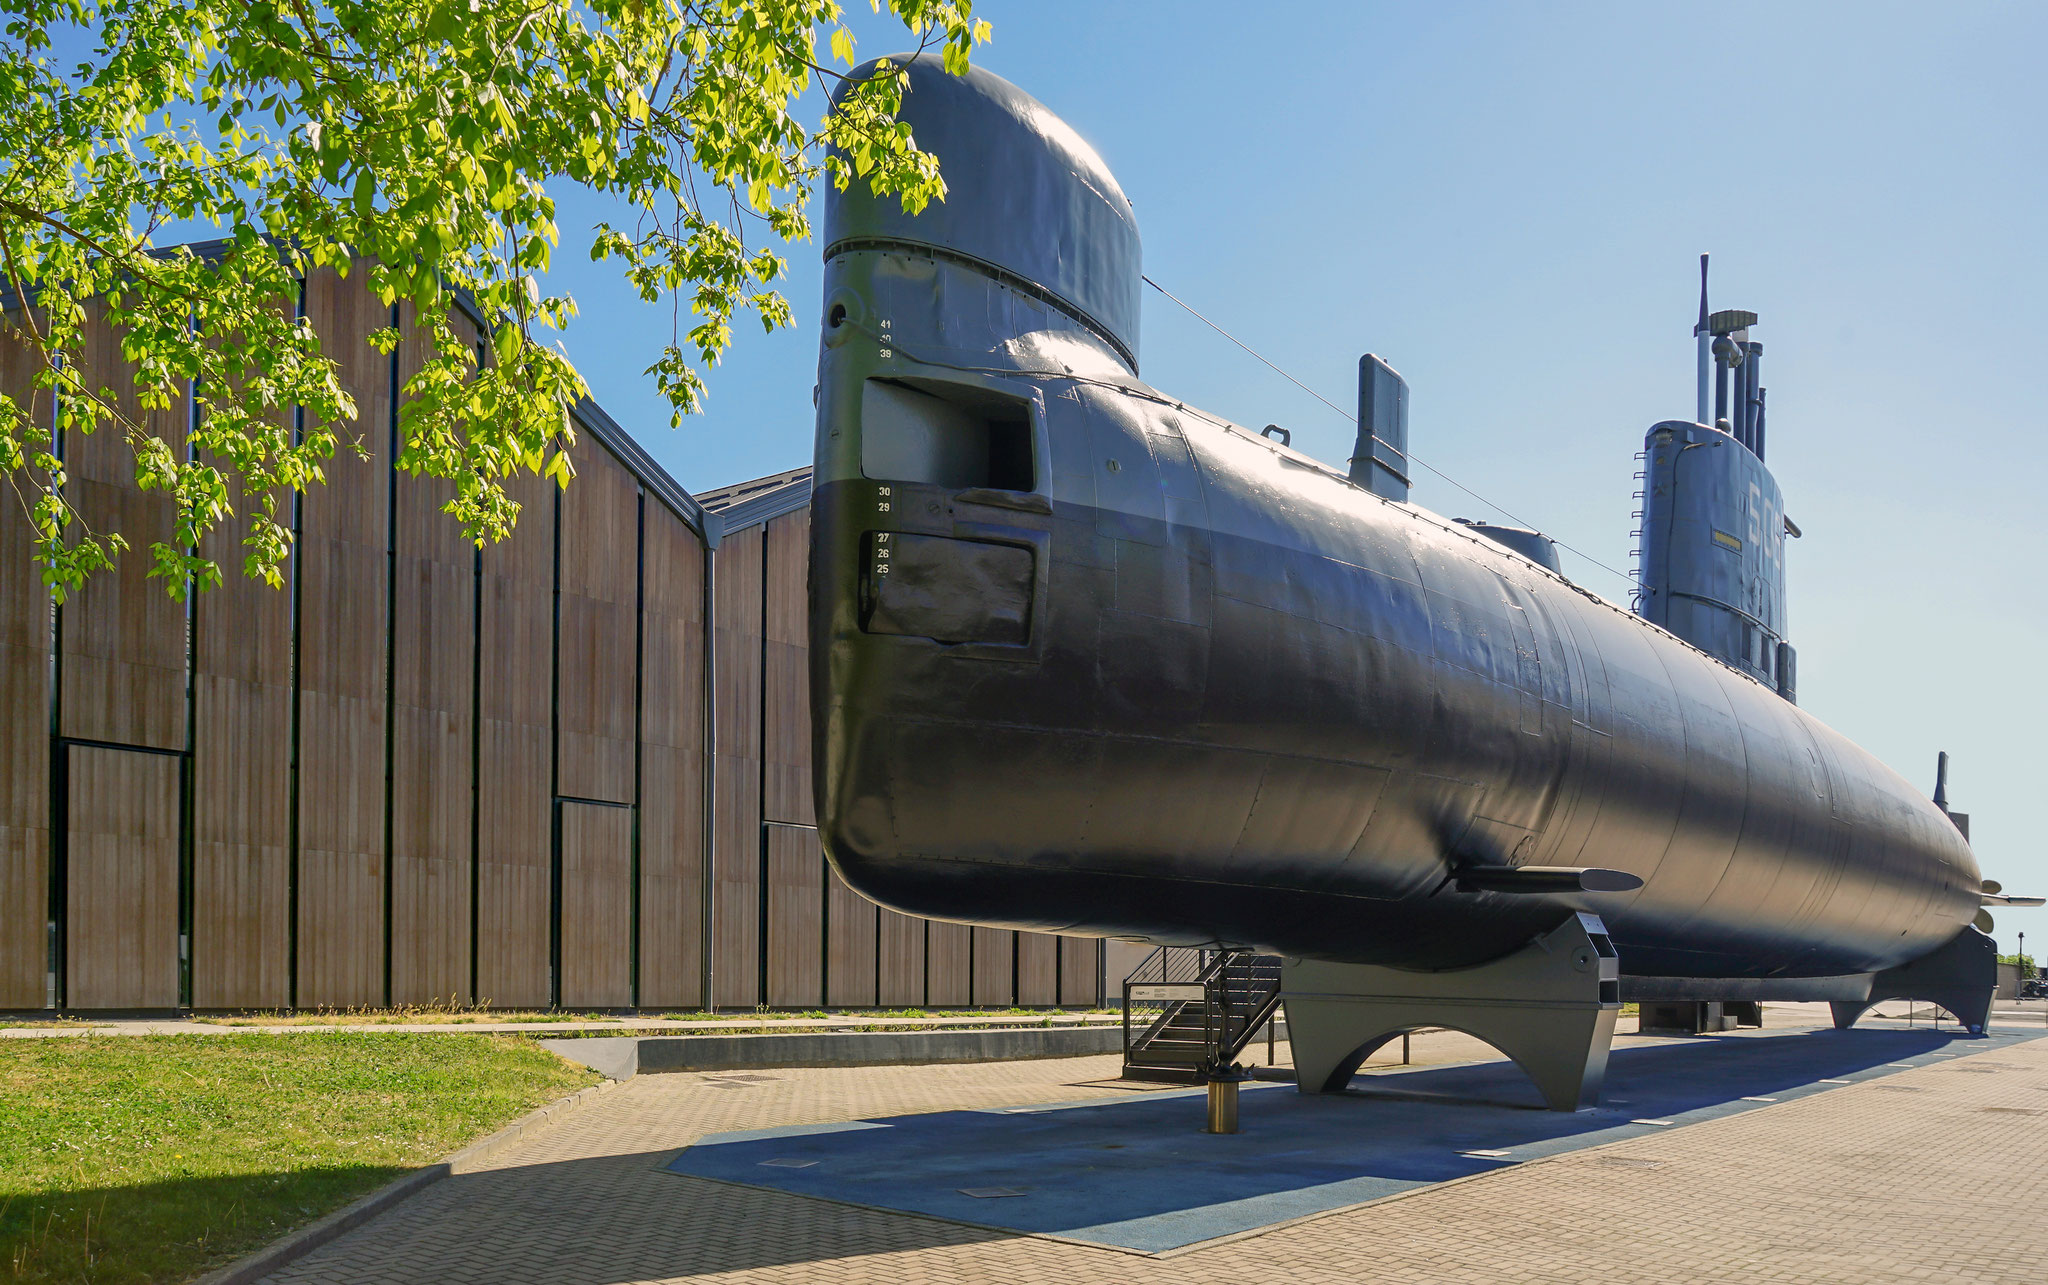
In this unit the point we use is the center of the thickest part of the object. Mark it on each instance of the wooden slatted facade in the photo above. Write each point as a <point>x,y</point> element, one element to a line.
<point>1085,972</point>
<point>433,724</point>
<point>796,919</point>
<point>514,764</point>
<point>994,969</point>
<point>738,837</point>
<point>121,638</point>
<point>852,944</point>
<point>121,682</point>
<point>1038,969</point>
<point>121,887</point>
<point>599,671</point>
<point>899,961</point>
<point>785,672</point>
<point>596,946</point>
<point>241,790</point>
<point>949,965</point>
<point>672,897</point>
<point>344,651</point>
<point>571,768</point>
<point>24,725</point>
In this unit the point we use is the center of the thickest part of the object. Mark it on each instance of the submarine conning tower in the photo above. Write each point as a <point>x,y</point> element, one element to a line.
<point>1711,565</point>
<point>1029,204</point>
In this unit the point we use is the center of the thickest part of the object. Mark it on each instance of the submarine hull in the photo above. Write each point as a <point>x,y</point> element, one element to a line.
<point>1088,660</point>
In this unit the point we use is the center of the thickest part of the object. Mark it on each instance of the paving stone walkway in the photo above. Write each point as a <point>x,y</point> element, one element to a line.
<point>1930,1174</point>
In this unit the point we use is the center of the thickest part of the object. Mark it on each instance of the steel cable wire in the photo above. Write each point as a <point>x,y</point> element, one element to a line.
<point>1500,509</point>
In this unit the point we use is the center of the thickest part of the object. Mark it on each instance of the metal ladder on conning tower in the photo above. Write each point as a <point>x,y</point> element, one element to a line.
<point>1187,1018</point>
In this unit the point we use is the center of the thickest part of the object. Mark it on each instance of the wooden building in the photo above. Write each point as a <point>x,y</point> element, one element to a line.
<point>569,769</point>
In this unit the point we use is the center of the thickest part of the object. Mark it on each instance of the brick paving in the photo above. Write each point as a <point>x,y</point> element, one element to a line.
<point>1930,1174</point>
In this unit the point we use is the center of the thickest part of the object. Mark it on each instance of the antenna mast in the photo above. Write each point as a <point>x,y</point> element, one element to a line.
<point>1706,342</point>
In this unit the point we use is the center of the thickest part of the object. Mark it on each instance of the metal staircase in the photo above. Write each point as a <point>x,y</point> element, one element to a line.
<point>1188,1014</point>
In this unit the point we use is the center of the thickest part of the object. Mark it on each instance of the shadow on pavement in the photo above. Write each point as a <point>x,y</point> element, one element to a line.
<point>1134,1172</point>
<point>1139,1173</point>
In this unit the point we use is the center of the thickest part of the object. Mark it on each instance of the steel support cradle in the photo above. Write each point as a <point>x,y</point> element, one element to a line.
<point>1550,1006</point>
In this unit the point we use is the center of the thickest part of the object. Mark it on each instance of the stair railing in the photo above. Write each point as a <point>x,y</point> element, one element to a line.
<point>1204,980</point>
<point>1162,983</point>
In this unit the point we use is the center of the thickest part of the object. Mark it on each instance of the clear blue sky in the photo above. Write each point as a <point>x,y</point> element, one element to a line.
<point>1507,201</point>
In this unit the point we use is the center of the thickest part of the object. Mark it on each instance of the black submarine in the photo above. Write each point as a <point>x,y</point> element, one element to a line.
<point>1089,660</point>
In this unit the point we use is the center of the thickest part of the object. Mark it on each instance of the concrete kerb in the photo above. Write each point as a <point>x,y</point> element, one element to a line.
<point>622,1057</point>
<point>305,1240</point>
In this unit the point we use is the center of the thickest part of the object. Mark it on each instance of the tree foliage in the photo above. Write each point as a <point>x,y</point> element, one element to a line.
<point>416,140</point>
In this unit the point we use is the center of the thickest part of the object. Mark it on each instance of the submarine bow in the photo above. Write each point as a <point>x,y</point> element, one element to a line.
<point>1088,660</point>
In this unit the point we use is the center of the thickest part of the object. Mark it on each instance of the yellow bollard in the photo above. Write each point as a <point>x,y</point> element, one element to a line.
<point>1222,1106</point>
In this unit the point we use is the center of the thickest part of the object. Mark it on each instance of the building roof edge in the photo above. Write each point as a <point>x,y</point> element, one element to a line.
<point>759,500</point>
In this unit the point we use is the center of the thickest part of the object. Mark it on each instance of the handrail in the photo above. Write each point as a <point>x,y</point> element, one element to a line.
<point>1148,963</point>
<point>1226,1025</point>
<point>1162,968</point>
<point>1154,968</point>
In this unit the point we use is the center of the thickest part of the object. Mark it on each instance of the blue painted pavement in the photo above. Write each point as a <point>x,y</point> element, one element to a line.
<point>1138,1173</point>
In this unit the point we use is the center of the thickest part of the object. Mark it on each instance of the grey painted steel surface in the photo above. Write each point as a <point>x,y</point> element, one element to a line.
<point>1045,211</point>
<point>1533,545</point>
<point>1713,563</point>
<point>1550,1006</point>
<point>1379,462</point>
<point>1253,704</point>
<point>1961,977</point>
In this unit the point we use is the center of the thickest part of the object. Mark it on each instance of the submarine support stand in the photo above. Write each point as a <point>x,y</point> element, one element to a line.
<point>1960,977</point>
<point>1550,1006</point>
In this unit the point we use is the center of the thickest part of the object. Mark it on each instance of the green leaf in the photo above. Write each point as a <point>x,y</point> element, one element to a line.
<point>424,142</point>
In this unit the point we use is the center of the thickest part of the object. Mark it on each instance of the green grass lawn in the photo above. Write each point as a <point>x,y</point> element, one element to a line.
<point>155,1158</point>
